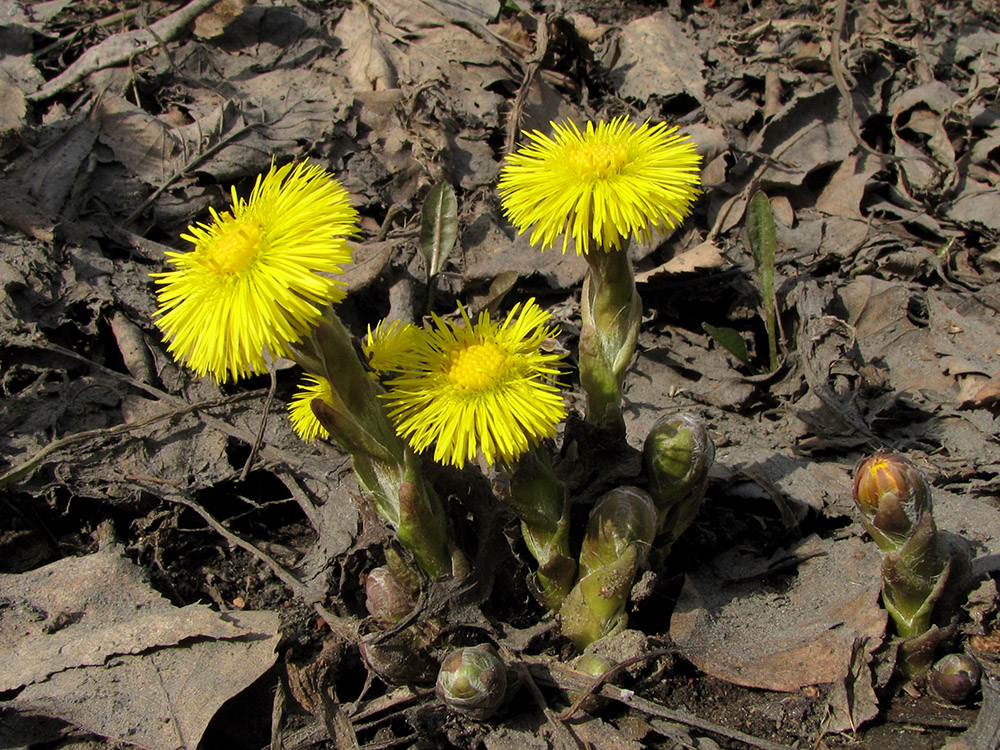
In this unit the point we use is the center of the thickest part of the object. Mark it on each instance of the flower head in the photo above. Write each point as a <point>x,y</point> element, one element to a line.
<point>259,275</point>
<point>389,344</point>
<point>601,185</point>
<point>480,386</point>
<point>300,411</point>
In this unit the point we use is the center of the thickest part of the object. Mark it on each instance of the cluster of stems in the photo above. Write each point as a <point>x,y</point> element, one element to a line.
<point>894,499</point>
<point>591,596</point>
<point>384,464</point>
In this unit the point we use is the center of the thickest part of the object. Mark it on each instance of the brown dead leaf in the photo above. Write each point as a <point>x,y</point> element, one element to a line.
<point>213,22</point>
<point>986,397</point>
<point>704,256</point>
<point>370,66</point>
<point>138,140</point>
<point>920,140</point>
<point>658,57</point>
<point>761,633</point>
<point>809,133</point>
<point>843,193</point>
<point>852,701</point>
<point>12,109</point>
<point>88,640</point>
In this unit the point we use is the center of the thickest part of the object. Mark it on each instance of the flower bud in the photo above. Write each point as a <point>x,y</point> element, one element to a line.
<point>677,455</point>
<point>892,495</point>
<point>954,678</point>
<point>624,516</point>
<point>387,600</point>
<point>473,681</point>
<point>400,660</point>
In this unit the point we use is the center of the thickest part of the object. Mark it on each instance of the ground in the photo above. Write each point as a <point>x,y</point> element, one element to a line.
<point>178,569</point>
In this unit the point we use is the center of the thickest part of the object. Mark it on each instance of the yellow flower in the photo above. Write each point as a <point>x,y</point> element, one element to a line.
<point>389,344</point>
<point>259,275</point>
<point>601,185</point>
<point>300,411</point>
<point>482,386</point>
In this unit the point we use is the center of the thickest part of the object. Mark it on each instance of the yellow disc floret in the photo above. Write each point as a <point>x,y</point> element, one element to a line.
<point>598,160</point>
<point>476,367</point>
<point>235,251</point>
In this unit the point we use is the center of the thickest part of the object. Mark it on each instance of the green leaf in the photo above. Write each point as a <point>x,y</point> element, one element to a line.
<point>761,233</point>
<point>760,230</point>
<point>438,227</point>
<point>731,339</point>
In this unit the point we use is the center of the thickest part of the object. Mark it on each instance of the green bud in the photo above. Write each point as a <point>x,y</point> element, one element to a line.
<point>677,456</point>
<point>892,495</point>
<point>387,601</point>
<point>473,681</point>
<point>623,517</point>
<point>621,528</point>
<point>954,678</point>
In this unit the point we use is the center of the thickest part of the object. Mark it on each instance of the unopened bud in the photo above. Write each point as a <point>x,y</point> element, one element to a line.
<point>387,601</point>
<point>677,456</point>
<point>473,681</point>
<point>892,495</point>
<point>954,678</point>
<point>624,516</point>
<point>399,661</point>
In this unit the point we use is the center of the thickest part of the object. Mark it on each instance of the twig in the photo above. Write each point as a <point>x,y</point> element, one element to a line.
<point>24,469</point>
<point>193,162</point>
<point>837,68</point>
<point>601,679</point>
<point>534,64</point>
<point>345,627</point>
<point>122,47</point>
<point>565,737</point>
<point>268,452</point>
<point>565,677</point>
<point>259,440</point>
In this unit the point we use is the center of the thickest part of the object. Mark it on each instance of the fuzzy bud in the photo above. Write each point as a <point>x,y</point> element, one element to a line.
<point>623,517</point>
<point>473,681</point>
<point>677,456</point>
<point>387,601</point>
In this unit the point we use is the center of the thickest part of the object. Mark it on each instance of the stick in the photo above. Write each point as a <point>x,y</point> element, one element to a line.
<point>121,48</point>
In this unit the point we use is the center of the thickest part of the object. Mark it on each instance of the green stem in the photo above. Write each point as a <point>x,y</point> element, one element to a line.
<point>541,502</point>
<point>385,466</point>
<point>611,311</point>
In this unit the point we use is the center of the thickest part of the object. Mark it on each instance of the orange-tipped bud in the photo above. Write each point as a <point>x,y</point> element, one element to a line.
<point>892,495</point>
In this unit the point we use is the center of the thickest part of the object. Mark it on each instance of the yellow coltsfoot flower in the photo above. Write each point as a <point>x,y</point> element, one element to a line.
<point>300,412</point>
<point>259,275</point>
<point>388,345</point>
<point>602,185</point>
<point>482,386</point>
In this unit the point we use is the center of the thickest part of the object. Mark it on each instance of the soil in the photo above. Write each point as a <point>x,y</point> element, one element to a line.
<point>874,131</point>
